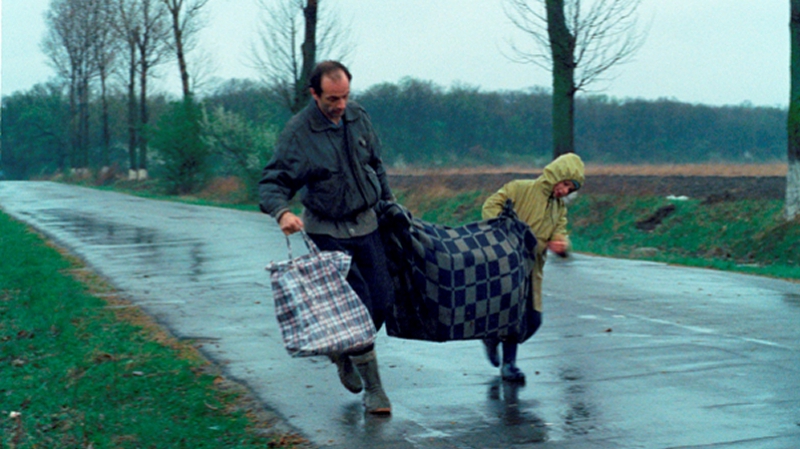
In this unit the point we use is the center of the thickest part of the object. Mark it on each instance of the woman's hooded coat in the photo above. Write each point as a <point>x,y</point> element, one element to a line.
<point>535,204</point>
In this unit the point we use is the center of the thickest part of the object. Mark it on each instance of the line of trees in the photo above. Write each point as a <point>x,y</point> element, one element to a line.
<point>89,41</point>
<point>419,123</point>
<point>227,133</point>
<point>423,123</point>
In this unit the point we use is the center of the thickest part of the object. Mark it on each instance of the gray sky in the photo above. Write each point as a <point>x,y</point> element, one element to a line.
<point>698,51</point>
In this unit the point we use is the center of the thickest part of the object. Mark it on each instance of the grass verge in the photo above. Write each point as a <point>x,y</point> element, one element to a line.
<point>746,236</point>
<point>80,368</point>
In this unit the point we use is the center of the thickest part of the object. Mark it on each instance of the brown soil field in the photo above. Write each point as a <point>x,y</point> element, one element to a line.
<point>712,182</point>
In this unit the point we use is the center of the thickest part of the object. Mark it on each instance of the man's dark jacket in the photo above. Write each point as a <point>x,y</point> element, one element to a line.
<point>339,185</point>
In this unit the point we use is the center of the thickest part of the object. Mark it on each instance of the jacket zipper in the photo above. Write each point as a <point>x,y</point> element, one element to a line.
<point>353,164</point>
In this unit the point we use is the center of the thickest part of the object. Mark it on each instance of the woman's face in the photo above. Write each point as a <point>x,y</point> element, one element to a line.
<point>563,189</point>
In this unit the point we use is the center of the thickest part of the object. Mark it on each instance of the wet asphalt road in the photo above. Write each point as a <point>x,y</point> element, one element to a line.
<point>630,355</point>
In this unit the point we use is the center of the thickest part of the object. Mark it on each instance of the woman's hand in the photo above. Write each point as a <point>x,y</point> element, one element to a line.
<point>559,247</point>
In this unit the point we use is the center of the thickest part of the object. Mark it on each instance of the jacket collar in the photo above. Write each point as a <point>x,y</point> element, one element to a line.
<point>320,123</point>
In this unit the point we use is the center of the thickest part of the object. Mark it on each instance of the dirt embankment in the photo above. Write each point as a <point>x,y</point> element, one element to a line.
<point>713,182</point>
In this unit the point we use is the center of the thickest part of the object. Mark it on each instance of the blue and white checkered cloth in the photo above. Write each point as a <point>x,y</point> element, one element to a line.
<point>457,283</point>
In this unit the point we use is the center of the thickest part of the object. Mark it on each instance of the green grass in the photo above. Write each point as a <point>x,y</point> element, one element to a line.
<point>747,236</point>
<point>79,373</point>
<point>462,207</point>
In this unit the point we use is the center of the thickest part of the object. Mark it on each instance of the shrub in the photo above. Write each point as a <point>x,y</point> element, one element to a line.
<point>181,149</point>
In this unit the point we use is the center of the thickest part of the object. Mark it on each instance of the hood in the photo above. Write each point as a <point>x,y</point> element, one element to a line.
<point>565,167</point>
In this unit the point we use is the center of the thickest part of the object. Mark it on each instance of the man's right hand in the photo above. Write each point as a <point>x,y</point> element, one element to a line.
<point>290,223</point>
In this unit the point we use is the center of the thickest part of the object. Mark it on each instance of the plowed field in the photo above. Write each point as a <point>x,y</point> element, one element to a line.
<point>711,182</point>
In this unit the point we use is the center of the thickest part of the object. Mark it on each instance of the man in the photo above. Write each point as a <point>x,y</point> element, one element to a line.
<point>539,203</point>
<point>330,153</point>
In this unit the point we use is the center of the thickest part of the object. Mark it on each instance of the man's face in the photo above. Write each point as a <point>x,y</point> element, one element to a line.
<point>335,92</point>
<point>563,189</point>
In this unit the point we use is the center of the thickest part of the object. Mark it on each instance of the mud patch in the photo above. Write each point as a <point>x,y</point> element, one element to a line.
<point>719,198</point>
<point>731,188</point>
<point>652,222</point>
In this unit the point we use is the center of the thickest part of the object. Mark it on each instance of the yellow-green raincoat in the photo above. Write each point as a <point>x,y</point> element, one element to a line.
<point>535,205</point>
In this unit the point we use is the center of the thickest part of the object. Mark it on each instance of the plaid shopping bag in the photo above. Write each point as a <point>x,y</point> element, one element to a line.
<point>318,312</point>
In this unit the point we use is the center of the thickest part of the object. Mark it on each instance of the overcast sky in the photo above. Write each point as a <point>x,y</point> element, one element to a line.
<point>698,51</point>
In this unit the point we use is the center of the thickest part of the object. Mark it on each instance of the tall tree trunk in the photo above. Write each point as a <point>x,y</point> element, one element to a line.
<point>106,144</point>
<point>80,158</point>
<point>72,161</point>
<point>562,46</point>
<point>84,120</point>
<point>133,138</point>
<point>143,120</point>
<point>178,35</point>
<point>793,124</point>
<point>309,48</point>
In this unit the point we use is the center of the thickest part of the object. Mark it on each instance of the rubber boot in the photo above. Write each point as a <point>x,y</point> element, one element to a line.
<point>490,345</point>
<point>509,371</point>
<point>375,399</point>
<point>347,373</point>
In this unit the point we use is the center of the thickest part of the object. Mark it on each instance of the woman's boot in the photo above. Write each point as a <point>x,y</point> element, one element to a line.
<point>375,399</point>
<point>490,345</point>
<point>347,373</point>
<point>509,371</point>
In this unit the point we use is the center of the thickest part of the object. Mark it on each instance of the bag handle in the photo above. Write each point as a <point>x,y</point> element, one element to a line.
<point>312,247</point>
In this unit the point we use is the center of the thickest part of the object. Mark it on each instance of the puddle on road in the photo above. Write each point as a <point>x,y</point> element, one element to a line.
<point>513,421</point>
<point>579,417</point>
<point>159,252</point>
<point>792,299</point>
<point>519,422</point>
<point>99,232</point>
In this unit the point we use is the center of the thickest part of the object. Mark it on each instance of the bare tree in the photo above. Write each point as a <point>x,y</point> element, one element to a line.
<point>578,41</point>
<point>72,46</point>
<point>129,34</point>
<point>128,30</point>
<point>105,52</point>
<point>285,62</point>
<point>793,123</point>
<point>145,28</point>
<point>186,21</point>
<point>59,44</point>
<point>309,52</point>
<point>204,68</point>
<point>152,49</point>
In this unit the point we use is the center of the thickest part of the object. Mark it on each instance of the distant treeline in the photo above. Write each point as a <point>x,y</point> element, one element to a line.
<point>422,124</point>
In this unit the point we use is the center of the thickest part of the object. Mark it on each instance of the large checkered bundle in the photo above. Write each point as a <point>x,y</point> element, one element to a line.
<point>457,283</point>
